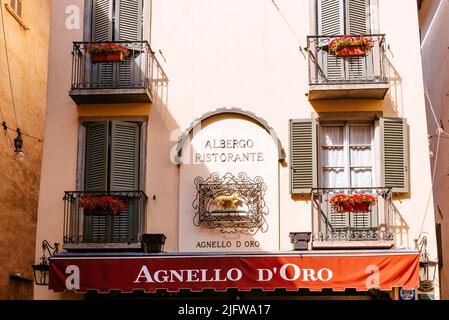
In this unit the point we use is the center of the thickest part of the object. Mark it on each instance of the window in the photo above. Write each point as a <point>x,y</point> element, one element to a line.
<point>345,17</point>
<point>338,17</point>
<point>16,6</point>
<point>112,156</point>
<point>347,159</point>
<point>112,163</point>
<point>122,22</point>
<point>115,20</point>
<point>342,155</point>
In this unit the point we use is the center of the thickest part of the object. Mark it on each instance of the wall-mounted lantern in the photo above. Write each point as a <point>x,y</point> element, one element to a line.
<point>427,267</point>
<point>42,269</point>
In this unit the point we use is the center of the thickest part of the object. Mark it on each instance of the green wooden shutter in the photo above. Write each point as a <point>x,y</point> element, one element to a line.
<point>129,27</point>
<point>357,23</point>
<point>101,20</point>
<point>125,156</point>
<point>96,156</point>
<point>129,20</point>
<point>102,12</point>
<point>124,176</point>
<point>303,155</point>
<point>394,153</point>
<point>330,23</point>
<point>357,12</point>
<point>96,176</point>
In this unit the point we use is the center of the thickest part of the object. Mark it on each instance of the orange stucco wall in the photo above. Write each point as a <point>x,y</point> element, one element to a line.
<point>27,46</point>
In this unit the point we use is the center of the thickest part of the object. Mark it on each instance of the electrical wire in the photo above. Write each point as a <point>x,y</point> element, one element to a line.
<point>289,26</point>
<point>33,174</point>
<point>439,131</point>
<point>5,127</point>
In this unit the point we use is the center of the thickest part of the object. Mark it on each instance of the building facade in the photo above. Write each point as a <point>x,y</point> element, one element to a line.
<point>433,45</point>
<point>235,131</point>
<point>24,39</point>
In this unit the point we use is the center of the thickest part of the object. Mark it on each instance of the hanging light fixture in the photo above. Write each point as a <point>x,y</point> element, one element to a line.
<point>41,270</point>
<point>18,147</point>
<point>427,267</point>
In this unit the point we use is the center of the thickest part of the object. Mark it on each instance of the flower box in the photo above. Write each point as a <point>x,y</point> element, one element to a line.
<point>107,57</point>
<point>351,51</point>
<point>98,212</point>
<point>107,52</point>
<point>102,205</point>
<point>352,203</point>
<point>347,46</point>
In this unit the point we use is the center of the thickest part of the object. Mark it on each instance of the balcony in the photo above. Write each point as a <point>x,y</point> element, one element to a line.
<point>133,80</point>
<point>332,77</point>
<point>123,231</point>
<point>368,229</point>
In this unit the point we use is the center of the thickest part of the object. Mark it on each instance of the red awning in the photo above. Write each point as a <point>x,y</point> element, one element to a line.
<point>313,270</point>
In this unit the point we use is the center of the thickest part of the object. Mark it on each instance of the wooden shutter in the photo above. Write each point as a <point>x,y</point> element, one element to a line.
<point>125,175</point>
<point>330,23</point>
<point>303,155</point>
<point>357,13</point>
<point>96,175</point>
<point>96,156</point>
<point>129,27</point>
<point>357,23</point>
<point>125,156</point>
<point>102,12</point>
<point>394,153</point>
<point>102,20</point>
<point>129,20</point>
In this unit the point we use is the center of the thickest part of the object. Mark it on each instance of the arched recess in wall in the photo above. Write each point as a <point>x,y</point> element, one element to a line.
<point>229,183</point>
<point>231,111</point>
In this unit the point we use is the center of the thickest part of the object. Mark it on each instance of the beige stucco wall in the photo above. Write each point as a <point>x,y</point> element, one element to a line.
<point>435,43</point>
<point>19,182</point>
<point>233,54</point>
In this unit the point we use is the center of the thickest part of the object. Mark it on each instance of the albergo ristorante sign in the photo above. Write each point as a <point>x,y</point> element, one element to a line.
<point>245,272</point>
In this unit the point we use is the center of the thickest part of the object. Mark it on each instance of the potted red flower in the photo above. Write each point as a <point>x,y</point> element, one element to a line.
<point>107,52</point>
<point>105,205</point>
<point>347,46</point>
<point>352,203</point>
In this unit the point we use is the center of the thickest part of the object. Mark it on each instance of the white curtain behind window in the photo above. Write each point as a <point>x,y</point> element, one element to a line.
<point>333,157</point>
<point>346,151</point>
<point>360,155</point>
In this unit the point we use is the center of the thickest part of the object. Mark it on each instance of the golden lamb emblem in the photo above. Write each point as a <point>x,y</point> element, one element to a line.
<point>231,202</point>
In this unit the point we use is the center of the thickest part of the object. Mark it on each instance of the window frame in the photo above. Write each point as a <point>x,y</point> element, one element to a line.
<point>375,145</point>
<point>81,159</point>
<point>373,16</point>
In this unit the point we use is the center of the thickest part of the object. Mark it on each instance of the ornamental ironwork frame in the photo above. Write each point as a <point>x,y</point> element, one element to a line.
<point>246,210</point>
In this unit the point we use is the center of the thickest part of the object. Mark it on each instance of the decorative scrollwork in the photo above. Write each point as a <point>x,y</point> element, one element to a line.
<point>231,204</point>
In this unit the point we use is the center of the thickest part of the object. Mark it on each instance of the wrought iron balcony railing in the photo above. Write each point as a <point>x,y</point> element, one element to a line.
<point>125,227</point>
<point>138,73</point>
<point>326,68</point>
<point>332,223</point>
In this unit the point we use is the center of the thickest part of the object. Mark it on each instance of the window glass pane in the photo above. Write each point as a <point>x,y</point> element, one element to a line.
<point>360,177</point>
<point>359,135</point>
<point>333,178</point>
<point>361,156</point>
<point>332,157</point>
<point>331,136</point>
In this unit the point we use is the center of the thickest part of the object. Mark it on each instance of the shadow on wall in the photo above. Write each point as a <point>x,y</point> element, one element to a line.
<point>400,229</point>
<point>393,106</point>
